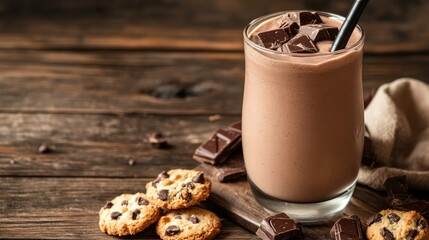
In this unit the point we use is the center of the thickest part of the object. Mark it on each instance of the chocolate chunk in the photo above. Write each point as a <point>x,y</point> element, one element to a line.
<point>386,234</point>
<point>301,43</point>
<point>45,148</point>
<point>303,18</point>
<point>185,194</point>
<point>232,169</point>
<point>108,205</point>
<point>373,219</point>
<point>115,215</point>
<point>199,178</point>
<point>218,147</point>
<point>279,226</point>
<point>160,176</point>
<point>194,219</point>
<point>398,199</point>
<point>411,234</point>
<point>235,126</point>
<point>142,201</point>
<point>177,217</point>
<point>158,141</point>
<point>347,228</point>
<point>135,214</point>
<point>172,230</point>
<point>163,194</point>
<point>189,185</point>
<point>319,32</point>
<point>271,39</point>
<point>393,218</point>
<point>396,185</point>
<point>420,223</point>
<point>291,28</point>
<point>124,203</point>
<point>369,157</point>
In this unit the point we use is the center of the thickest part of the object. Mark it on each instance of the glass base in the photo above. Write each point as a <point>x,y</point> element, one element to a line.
<point>308,213</point>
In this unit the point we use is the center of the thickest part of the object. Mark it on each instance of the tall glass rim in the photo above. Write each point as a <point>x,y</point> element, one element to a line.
<point>259,20</point>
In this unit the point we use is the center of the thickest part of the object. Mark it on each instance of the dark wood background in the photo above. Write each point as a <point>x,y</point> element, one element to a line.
<point>96,77</point>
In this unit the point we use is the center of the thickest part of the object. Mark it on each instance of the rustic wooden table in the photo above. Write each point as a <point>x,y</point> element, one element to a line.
<point>95,78</point>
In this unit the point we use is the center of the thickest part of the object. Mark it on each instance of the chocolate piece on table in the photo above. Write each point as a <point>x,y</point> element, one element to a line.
<point>396,185</point>
<point>347,228</point>
<point>235,126</point>
<point>279,226</point>
<point>369,157</point>
<point>218,147</point>
<point>232,169</point>
<point>319,32</point>
<point>303,18</point>
<point>301,43</point>
<point>158,141</point>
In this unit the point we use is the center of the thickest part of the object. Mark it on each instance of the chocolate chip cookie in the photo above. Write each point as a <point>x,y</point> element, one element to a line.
<point>393,224</point>
<point>178,188</point>
<point>192,223</point>
<point>128,214</point>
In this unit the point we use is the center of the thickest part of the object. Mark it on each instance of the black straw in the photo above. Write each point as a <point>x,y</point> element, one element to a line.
<point>349,25</point>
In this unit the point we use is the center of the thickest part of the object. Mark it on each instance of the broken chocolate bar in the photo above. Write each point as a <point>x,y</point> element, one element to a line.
<point>279,226</point>
<point>319,32</point>
<point>235,126</point>
<point>232,169</point>
<point>303,18</point>
<point>218,147</point>
<point>301,43</point>
<point>273,39</point>
<point>347,228</point>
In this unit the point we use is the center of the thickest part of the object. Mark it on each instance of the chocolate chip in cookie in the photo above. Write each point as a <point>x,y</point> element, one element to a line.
<point>136,213</point>
<point>373,219</point>
<point>142,201</point>
<point>388,235</point>
<point>115,215</point>
<point>172,230</point>
<point>393,218</point>
<point>194,219</point>
<point>108,205</point>
<point>163,194</point>
<point>199,178</point>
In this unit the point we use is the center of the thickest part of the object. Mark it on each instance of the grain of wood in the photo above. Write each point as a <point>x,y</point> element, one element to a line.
<point>110,82</point>
<point>99,145</point>
<point>204,25</point>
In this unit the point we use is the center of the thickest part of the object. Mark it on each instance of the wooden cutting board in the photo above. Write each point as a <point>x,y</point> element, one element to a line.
<point>235,200</point>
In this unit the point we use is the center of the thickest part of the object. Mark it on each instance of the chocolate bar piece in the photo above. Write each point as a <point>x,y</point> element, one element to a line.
<point>319,32</point>
<point>303,18</point>
<point>232,169</point>
<point>218,147</point>
<point>369,157</point>
<point>273,39</point>
<point>396,185</point>
<point>347,228</point>
<point>301,43</point>
<point>279,226</point>
<point>235,126</point>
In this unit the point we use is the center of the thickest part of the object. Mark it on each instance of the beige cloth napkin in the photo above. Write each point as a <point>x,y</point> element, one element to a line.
<point>397,120</point>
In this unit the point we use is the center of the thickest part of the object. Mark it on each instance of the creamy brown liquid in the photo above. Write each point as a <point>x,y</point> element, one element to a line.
<point>303,120</point>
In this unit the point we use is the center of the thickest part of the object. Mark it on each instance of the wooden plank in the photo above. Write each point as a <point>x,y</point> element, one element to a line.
<point>235,200</point>
<point>188,24</point>
<point>99,145</point>
<point>112,82</point>
<point>67,208</point>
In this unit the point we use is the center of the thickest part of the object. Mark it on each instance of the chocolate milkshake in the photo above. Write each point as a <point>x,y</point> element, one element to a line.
<point>302,116</point>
